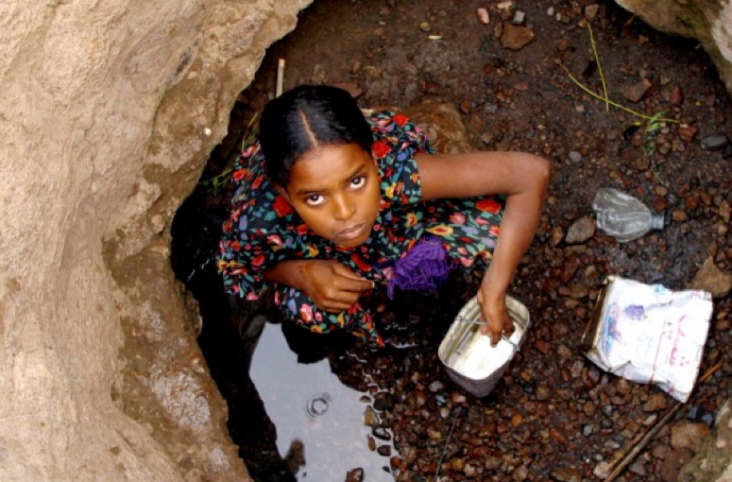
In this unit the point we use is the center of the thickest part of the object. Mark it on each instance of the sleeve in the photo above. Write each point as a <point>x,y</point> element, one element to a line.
<point>396,141</point>
<point>254,237</point>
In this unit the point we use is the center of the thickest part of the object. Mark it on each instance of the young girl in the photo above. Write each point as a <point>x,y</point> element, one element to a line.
<point>335,202</point>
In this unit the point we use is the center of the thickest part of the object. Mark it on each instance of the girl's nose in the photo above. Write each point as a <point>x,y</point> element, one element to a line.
<point>343,208</point>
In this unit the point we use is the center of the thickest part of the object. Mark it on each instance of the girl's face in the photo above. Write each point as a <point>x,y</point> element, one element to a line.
<point>335,190</point>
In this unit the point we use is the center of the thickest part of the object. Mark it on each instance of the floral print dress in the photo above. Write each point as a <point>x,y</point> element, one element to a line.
<point>263,229</point>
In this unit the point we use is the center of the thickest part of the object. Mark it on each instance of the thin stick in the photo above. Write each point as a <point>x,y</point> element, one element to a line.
<point>280,77</point>
<point>599,67</point>
<point>638,446</point>
<point>614,104</point>
<point>447,441</point>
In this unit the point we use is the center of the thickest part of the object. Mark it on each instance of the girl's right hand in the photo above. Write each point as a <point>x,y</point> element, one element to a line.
<point>331,285</point>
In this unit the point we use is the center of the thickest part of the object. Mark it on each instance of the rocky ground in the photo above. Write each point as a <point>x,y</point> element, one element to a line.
<point>554,416</point>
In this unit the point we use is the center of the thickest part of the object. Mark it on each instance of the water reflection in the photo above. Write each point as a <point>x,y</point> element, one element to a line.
<point>320,427</point>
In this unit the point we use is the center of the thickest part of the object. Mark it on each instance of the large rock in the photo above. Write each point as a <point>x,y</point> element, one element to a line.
<point>108,111</point>
<point>712,462</point>
<point>709,21</point>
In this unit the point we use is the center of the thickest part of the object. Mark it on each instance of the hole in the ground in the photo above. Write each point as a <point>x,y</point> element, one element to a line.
<point>307,407</point>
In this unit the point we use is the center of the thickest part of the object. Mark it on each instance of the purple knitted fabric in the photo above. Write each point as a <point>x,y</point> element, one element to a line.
<point>424,268</point>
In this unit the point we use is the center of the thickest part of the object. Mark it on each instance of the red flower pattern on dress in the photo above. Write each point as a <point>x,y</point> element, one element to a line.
<point>282,207</point>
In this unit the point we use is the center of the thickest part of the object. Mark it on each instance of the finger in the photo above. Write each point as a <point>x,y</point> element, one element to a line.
<point>508,326</point>
<point>345,272</point>
<point>495,337</point>
<point>355,285</point>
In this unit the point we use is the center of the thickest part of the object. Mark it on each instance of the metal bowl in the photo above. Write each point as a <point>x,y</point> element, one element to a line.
<point>467,354</point>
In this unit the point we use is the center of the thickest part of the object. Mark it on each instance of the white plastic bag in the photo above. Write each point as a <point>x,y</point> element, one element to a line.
<point>650,334</point>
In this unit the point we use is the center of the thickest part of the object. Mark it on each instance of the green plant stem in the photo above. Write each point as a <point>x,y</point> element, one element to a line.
<point>614,104</point>
<point>599,67</point>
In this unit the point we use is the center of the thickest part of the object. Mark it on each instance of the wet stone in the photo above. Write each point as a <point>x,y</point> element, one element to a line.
<point>355,475</point>
<point>436,386</point>
<point>673,462</point>
<point>708,419</point>
<point>566,474</point>
<point>637,91</point>
<point>710,278</point>
<point>381,433</point>
<point>714,143</point>
<point>655,403</point>
<point>556,236</point>
<point>581,230</point>
<point>516,37</point>
<point>370,419</point>
<point>638,467</point>
<point>384,401</point>
<point>575,157</point>
<point>688,435</point>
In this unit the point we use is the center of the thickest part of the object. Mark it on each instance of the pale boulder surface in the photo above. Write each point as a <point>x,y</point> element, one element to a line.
<point>709,21</point>
<point>108,111</point>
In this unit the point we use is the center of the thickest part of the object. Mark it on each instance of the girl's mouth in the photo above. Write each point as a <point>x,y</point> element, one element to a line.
<point>352,232</point>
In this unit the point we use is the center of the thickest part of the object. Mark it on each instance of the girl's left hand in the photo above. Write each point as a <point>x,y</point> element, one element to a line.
<point>495,313</point>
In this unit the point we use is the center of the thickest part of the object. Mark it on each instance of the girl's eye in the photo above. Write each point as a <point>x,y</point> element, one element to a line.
<point>358,181</point>
<point>314,200</point>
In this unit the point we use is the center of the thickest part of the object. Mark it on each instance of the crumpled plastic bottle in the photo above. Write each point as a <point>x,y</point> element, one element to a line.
<point>624,217</point>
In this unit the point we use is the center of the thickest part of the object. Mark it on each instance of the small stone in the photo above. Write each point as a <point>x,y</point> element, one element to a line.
<point>425,26</point>
<point>466,107</point>
<point>688,435</point>
<point>384,450</point>
<point>655,403</point>
<point>581,230</point>
<point>566,474</point>
<point>708,419</point>
<point>712,279</point>
<point>687,133</point>
<point>672,463</point>
<point>637,91</point>
<point>519,17</point>
<point>370,419</point>
<point>542,393</point>
<point>676,97</point>
<point>714,143</point>
<point>679,215</point>
<point>436,386</point>
<point>550,11</point>
<point>638,467</point>
<point>515,37</point>
<point>483,16</point>
<point>505,6</point>
<point>521,473</point>
<point>355,475</point>
<point>575,157</point>
<point>381,433</point>
<point>587,430</point>
<point>591,12</point>
<point>556,236</point>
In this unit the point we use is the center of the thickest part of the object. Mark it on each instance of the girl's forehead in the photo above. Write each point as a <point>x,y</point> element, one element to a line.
<point>325,165</point>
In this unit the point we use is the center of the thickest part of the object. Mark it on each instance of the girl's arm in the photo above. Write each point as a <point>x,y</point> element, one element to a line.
<point>524,179</point>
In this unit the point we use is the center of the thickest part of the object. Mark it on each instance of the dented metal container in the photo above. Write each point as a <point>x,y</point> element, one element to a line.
<point>468,356</point>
